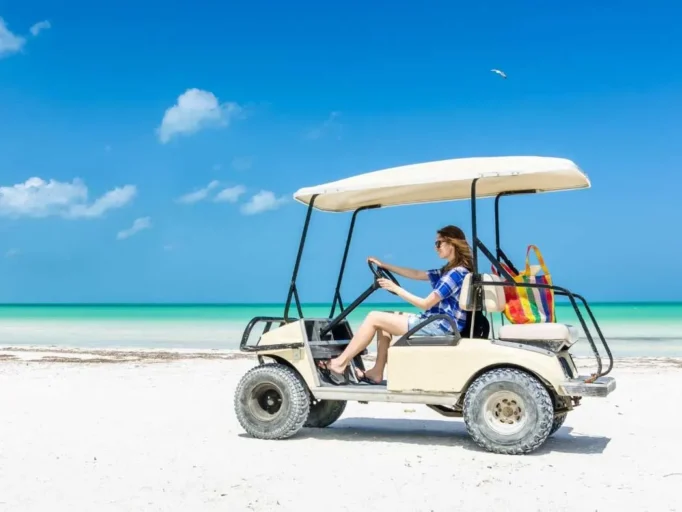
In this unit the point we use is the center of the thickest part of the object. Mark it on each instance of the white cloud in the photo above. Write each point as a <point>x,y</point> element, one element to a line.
<point>242,163</point>
<point>230,195</point>
<point>9,42</point>
<point>226,195</point>
<point>38,27</point>
<point>198,195</point>
<point>11,253</point>
<point>39,198</point>
<point>138,225</point>
<point>328,125</point>
<point>194,110</point>
<point>262,201</point>
<point>115,198</point>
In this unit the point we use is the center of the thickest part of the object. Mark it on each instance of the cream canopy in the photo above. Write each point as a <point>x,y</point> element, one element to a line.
<point>445,180</point>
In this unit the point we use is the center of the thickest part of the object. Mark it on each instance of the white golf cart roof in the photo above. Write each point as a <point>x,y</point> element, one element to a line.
<point>445,180</point>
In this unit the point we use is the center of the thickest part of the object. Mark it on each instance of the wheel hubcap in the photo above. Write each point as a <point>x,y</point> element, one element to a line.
<point>265,401</point>
<point>505,412</point>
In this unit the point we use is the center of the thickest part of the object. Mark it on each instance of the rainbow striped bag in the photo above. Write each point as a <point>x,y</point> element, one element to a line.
<point>530,305</point>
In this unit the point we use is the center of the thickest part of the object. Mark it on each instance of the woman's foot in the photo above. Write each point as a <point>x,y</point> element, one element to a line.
<point>335,372</point>
<point>334,366</point>
<point>372,376</point>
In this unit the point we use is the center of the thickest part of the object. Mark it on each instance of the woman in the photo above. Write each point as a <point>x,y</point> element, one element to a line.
<point>451,245</point>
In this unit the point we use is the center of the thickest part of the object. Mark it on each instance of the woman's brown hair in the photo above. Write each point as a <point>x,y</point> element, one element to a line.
<point>463,254</point>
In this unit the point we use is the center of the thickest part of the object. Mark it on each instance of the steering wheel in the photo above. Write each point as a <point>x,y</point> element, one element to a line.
<point>382,272</point>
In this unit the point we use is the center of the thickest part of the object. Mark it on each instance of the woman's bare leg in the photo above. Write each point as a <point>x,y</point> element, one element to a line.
<point>376,320</point>
<point>376,373</point>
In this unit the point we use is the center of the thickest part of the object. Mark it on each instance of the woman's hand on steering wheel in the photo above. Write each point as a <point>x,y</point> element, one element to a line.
<point>376,261</point>
<point>382,274</point>
<point>388,285</point>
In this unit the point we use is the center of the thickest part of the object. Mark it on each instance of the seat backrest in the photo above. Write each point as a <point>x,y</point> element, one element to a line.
<point>493,296</point>
<point>481,325</point>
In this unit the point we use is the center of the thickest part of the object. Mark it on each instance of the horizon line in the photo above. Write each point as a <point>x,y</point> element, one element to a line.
<point>293,306</point>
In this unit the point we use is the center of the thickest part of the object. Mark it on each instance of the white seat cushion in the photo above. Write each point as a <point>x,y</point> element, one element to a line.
<point>493,296</point>
<point>539,332</point>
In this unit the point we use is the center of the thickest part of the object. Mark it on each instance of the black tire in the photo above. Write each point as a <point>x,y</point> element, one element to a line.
<point>558,422</point>
<point>561,402</point>
<point>507,396</point>
<point>271,402</point>
<point>325,412</point>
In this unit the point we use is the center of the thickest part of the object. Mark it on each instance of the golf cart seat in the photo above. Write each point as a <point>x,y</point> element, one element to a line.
<point>552,335</point>
<point>474,319</point>
<point>568,334</point>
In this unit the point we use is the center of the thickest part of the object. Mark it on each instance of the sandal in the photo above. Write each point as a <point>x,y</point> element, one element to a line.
<point>364,378</point>
<point>337,379</point>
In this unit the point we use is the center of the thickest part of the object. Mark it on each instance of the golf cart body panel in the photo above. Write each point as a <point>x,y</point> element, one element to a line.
<point>489,378</point>
<point>445,180</point>
<point>301,357</point>
<point>453,368</point>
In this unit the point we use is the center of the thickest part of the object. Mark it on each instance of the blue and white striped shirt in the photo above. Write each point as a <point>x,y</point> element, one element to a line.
<point>448,286</point>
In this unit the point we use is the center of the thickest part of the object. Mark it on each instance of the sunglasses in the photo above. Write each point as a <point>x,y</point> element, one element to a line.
<point>438,243</point>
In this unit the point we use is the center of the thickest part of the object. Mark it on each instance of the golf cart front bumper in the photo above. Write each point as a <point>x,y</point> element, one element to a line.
<point>600,388</point>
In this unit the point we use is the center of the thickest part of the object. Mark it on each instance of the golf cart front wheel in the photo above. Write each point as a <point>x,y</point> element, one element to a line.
<point>508,411</point>
<point>271,402</point>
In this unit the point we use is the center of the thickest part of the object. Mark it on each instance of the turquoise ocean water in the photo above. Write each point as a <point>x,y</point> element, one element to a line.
<point>653,329</point>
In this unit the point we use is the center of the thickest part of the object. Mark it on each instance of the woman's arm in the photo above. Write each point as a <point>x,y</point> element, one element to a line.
<point>425,303</point>
<point>410,273</point>
<point>448,285</point>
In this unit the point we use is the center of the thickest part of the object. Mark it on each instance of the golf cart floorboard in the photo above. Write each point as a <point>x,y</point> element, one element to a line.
<point>381,385</point>
<point>380,393</point>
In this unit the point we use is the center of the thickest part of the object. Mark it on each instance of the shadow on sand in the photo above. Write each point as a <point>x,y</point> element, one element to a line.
<point>440,433</point>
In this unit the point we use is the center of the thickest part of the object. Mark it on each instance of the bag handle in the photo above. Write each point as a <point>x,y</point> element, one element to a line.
<point>505,267</point>
<point>538,255</point>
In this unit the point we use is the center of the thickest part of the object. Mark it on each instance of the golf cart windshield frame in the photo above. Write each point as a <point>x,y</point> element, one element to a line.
<point>337,291</point>
<point>293,291</point>
<point>476,281</point>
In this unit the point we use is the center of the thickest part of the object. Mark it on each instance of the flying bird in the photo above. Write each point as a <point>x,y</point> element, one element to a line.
<point>501,73</point>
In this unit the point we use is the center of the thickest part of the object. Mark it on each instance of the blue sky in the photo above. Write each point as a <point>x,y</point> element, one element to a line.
<point>129,106</point>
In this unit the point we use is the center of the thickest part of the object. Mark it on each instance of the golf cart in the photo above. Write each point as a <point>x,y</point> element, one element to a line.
<point>513,387</point>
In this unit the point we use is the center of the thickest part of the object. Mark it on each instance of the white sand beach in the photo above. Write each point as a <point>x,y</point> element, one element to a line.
<point>155,431</point>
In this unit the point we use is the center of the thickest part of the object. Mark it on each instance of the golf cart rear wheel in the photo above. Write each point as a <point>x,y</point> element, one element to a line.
<point>561,402</point>
<point>508,411</point>
<point>325,412</point>
<point>271,402</point>
<point>558,422</point>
